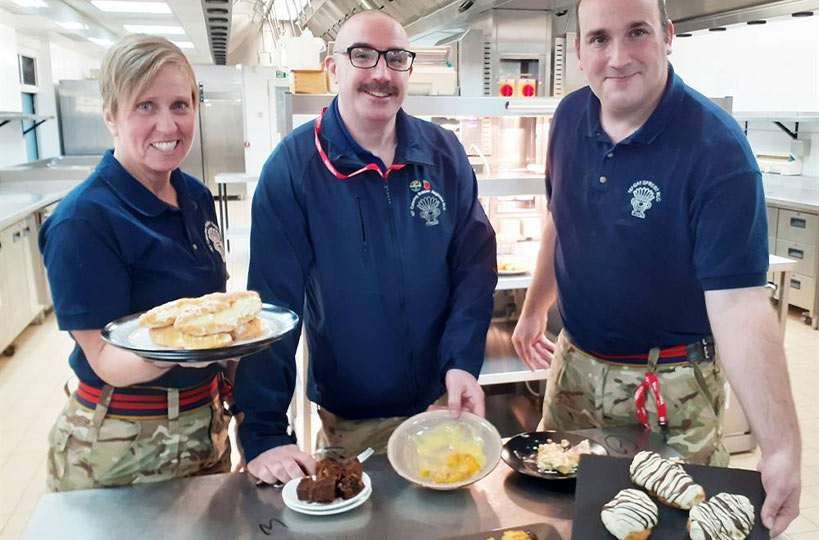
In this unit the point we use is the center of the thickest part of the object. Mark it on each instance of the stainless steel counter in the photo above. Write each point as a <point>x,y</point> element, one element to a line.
<point>20,199</point>
<point>231,506</point>
<point>797,192</point>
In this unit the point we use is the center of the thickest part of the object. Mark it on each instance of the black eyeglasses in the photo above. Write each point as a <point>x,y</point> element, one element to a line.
<point>367,58</point>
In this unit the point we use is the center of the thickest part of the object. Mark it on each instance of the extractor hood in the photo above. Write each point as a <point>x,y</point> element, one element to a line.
<point>422,17</point>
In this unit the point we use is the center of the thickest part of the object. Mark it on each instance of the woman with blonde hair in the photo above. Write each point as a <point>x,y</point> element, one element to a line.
<point>137,233</point>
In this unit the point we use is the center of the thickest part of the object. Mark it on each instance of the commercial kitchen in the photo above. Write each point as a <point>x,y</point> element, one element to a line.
<point>492,72</point>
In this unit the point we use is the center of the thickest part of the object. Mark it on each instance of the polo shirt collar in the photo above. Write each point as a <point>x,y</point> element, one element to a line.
<point>138,196</point>
<point>342,149</point>
<point>653,127</point>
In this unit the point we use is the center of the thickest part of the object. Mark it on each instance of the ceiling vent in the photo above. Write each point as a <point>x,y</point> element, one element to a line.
<point>217,23</point>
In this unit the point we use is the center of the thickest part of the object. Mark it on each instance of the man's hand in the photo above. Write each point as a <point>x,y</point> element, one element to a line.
<point>463,392</point>
<point>780,478</point>
<point>531,344</point>
<point>282,464</point>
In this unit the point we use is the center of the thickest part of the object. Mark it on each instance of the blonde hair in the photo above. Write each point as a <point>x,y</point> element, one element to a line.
<point>131,64</point>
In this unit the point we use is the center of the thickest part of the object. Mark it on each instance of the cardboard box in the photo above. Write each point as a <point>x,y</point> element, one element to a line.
<point>309,82</point>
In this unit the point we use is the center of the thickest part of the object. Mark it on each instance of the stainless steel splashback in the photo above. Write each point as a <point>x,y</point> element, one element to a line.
<point>82,129</point>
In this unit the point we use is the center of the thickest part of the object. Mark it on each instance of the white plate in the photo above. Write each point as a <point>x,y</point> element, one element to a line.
<point>291,500</point>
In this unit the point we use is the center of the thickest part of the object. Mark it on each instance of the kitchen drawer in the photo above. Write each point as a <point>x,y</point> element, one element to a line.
<point>773,217</point>
<point>802,291</point>
<point>797,227</point>
<point>804,255</point>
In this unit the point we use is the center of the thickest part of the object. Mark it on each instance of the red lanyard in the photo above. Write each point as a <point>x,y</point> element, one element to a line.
<point>650,381</point>
<point>340,176</point>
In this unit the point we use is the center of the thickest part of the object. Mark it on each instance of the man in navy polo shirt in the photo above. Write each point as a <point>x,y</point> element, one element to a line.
<point>656,240</point>
<point>370,219</point>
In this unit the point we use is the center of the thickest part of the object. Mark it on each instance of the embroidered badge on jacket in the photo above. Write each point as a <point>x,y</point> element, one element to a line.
<point>428,204</point>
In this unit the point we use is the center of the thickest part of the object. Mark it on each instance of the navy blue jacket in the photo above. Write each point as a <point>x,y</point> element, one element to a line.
<point>395,276</point>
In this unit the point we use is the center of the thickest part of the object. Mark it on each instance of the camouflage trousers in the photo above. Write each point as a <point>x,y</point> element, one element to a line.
<point>585,392</point>
<point>89,449</point>
<point>355,436</point>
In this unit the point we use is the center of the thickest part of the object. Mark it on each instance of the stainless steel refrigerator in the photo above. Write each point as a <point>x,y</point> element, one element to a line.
<point>218,144</point>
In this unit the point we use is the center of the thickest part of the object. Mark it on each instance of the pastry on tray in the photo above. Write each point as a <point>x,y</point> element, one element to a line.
<point>724,515</point>
<point>665,479</point>
<point>210,321</point>
<point>630,515</point>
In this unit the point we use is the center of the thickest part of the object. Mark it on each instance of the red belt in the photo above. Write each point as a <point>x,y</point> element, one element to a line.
<point>666,356</point>
<point>139,401</point>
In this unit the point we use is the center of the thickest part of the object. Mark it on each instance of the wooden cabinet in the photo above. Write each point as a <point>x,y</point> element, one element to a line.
<point>20,263</point>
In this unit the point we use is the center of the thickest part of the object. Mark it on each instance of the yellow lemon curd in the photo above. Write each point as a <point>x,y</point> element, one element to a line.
<point>450,452</point>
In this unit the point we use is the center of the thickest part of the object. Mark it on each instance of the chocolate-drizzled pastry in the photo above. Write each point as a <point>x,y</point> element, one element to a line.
<point>666,480</point>
<point>630,515</point>
<point>723,516</point>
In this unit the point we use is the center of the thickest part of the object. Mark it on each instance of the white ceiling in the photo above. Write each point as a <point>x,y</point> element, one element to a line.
<point>90,22</point>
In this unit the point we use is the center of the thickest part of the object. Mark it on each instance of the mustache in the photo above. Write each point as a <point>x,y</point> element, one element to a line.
<point>381,88</point>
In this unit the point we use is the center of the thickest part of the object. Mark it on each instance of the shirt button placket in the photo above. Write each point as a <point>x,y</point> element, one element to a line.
<point>605,165</point>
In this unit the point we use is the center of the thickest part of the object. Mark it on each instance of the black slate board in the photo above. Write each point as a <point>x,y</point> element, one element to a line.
<point>543,531</point>
<point>601,477</point>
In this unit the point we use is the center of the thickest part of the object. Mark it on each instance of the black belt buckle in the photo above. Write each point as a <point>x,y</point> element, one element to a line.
<point>707,349</point>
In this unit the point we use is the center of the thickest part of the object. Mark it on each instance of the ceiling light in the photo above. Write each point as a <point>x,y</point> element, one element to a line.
<point>184,44</point>
<point>154,29</point>
<point>131,7</point>
<point>102,42</point>
<point>30,3</point>
<point>72,25</point>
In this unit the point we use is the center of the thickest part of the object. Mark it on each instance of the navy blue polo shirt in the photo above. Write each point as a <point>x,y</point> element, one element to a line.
<point>113,248</point>
<point>645,226</point>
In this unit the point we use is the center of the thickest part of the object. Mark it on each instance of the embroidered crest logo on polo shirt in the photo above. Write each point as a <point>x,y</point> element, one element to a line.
<point>428,204</point>
<point>644,194</point>
<point>214,238</point>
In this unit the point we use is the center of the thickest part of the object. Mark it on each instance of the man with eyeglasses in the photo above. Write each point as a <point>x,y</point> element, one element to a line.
<point>368,219</point>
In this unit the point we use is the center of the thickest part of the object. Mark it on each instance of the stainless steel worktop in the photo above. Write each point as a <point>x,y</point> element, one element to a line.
<point>797,192</point>
<point>20,199</point>
<point>231,506</point>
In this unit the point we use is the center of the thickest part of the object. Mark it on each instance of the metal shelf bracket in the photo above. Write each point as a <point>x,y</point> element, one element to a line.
<point>792,134</point>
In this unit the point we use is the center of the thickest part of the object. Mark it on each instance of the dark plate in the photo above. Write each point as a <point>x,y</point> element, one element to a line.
<point>126,333</point>
<point>601,477</point>
<point>520,452</point>
<point>543,531</point>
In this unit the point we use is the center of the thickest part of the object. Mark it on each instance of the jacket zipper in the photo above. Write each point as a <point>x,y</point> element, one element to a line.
<point>402,303</point>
